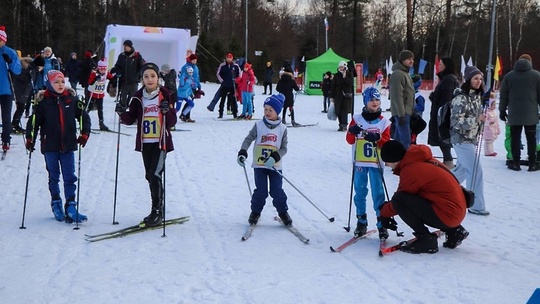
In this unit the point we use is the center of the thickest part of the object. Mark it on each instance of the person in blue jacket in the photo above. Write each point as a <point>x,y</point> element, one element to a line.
<point>9,62</point>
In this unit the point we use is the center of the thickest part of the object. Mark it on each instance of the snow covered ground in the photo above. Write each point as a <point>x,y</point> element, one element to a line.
<point>204,260</point>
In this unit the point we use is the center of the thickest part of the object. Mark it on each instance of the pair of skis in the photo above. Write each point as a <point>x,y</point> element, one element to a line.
<point>141,227</point>
<point>291,228</point>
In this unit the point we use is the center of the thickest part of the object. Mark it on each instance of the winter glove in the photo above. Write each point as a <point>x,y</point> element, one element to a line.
<point>82,139</point>
<point>242,155</point>
<point>372,137</point>
<point>272,160</point>
<point>401,120</point>
<point>29,145</point>
<point>356,129</point>
<point>502,115</point>
<point>388,222</point>
<point>164,106</point>
<point>120,109</point>
<point>6,58</point>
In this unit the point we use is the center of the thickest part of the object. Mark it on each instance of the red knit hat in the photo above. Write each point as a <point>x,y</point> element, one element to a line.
<point>87,55</point>
<point>3,35</point>
<point>229,55</point>
<point>192,57</point>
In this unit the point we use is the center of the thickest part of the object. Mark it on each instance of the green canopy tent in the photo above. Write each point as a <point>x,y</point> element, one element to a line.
<point>315,68</point>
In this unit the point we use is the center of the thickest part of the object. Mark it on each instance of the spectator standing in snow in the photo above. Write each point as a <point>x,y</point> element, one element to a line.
<point>56,116</point>
<point>73,70</point>
<point>402,97</point>
<point>22,84</point>
<point>128,66</point>
<point>169,80</point>
<point>270,136</point>
<point>466,117</point>
<point>519,101</point>
<point>442,94</point>
<point>88,66</point>
<point>150,107</point>
<point>325,87</point>
<point>268,77</point>
<point>226,74</point>
<point>51,62</point>
<point>367,133</point>
<point>9,63</point>
<point>341,94</point>
<point>426,196</point>
<point>286,86</point>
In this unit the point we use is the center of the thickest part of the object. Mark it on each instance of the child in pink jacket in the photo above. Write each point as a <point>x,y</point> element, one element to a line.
<point>491,127</point>
<point>246,87</point>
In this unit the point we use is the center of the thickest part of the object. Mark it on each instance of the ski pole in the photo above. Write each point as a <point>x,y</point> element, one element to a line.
<point>381,171</point>
<point>247,180</point>
<point>348,228</point>
<point>163,156</point>
<point>114,222</point>
<point>81,107</point>
<point>478,149</point>
<point>330,219</point>
<point>32,132</point>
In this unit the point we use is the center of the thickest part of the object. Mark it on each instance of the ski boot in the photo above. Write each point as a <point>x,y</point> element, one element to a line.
<point>361,225</point>
<point>285,218</point>
<point>455,236</point>
<point>102,126</point>
<point>72,214</point>
<point>155,217</point>
<point>424,243</point>
<point>56,206</point>
<point>254,218</point>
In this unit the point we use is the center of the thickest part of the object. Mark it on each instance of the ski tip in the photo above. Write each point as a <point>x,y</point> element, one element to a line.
<point>332,249</point>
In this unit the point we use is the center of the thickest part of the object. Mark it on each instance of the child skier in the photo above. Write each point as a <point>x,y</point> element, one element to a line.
<point>186,85</point>
<point>246,87</point>
<point>151,108</point>
<point>96,88</point>
<point>285,86</point>
<point>491,127</point>
<point>270,136</point>
<point>367,133</point>
<point>54,118</point>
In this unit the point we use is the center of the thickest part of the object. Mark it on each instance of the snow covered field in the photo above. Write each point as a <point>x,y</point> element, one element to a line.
<point>204,260</point>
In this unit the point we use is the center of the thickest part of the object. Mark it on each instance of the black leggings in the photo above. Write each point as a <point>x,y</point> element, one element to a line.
<point>153,166</point>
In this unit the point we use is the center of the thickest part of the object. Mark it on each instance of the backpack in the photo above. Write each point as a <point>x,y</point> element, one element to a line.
<point>443,118</point>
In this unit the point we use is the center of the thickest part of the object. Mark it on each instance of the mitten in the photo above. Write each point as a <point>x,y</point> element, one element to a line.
<point>82,139</point>
<point>29,145</point>
<point>272,160</point>
<point>355,129</point>
<point>372,137</point>
<point>6,58</point>
<point>502,115</point>
<point>242,155</point>
<point>120,109</point>
<point>164,106</point>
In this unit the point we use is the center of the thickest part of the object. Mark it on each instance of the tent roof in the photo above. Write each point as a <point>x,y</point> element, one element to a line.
<point>328,56</point>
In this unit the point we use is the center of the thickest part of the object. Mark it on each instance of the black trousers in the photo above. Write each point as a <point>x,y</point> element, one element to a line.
<point>416,212</point>
<point>231,100</point>
<point>154,164</point>
<point>515,142</point>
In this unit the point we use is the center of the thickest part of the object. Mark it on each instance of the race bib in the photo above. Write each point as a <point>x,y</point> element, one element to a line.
<point>365,151</point>
<point>262,152</point>
<point>151,127</point>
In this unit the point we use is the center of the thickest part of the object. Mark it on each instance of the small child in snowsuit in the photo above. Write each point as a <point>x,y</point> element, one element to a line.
<point>246,87</point>
<point>55,118</point>
<point>491,127</point>
<point>367,133</point>
<point>151,108</point>
<point>285,86</point>
<point>419,100</point>
<point>270,136</point>
<point>96,88</point>
<point>325,87</point>
<point>186,85</point>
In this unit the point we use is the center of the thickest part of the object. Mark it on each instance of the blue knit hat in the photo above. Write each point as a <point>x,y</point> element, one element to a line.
<point>276,102</point>
<point>371,93</point>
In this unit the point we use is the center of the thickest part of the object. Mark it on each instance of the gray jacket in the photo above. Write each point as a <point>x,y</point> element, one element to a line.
<point>401,91</point>
<point>520,94</point>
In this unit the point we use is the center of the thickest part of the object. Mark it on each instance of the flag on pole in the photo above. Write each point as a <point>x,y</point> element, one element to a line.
<point>436,71</point>
<point>387,68</point>
<point>422,66</point>
<point>470,63</point>
<point>326,26</point>
<point>462,65</point>
<point>498,69</point>
<point>365,68</point>
<point>390,65</point>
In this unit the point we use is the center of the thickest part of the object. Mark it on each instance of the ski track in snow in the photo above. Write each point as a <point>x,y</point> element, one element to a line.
<point>204,261</point>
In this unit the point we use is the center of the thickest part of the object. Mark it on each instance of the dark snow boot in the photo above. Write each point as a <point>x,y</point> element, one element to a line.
<point>254,218</point>
<point>455,236</point>
<point>285,218</point>
<point>533,166</point>
<point>155,218</point>
<point>424,243</point>
<point>102,126</point>
<point>361,225</point>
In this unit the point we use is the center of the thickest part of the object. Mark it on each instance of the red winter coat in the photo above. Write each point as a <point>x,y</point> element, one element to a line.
<point>423,178</point>
<point>246,81</point>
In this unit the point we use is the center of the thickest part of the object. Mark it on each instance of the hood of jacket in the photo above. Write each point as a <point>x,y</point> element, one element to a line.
<point>523,65</point>
<point>415,154</point>
<point>398,66</point>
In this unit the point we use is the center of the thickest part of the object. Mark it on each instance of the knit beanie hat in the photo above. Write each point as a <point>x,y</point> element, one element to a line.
<point>276,102</point>
<point>370,94</point>
<point>342,64</point>
<point>165,68</point>
<point>128,43</point>
<point>51,77</point>
<point>229,55</point>
<point>39,61</point>
<point>87,54</point>
<point>102,63</point>
<point>247,66</point>
<point>3,34</point>
<point>150,66</point>
<point>328,73</point>
<point>392,151</point>
<point>192,57</point>
<point>470,72</point>
<point>526,57</point>
<point>405,54</point>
